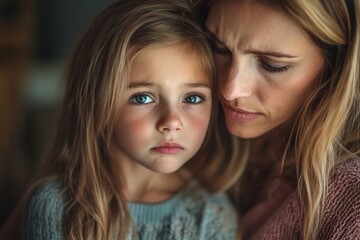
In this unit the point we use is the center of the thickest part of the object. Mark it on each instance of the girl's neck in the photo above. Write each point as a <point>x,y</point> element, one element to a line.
<point>150,187</point>
<point>142,185</point>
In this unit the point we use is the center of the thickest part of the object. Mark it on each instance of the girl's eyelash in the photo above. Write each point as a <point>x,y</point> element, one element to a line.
<point>141,98</point>
<point>198,95</point>
<point>272,69</point>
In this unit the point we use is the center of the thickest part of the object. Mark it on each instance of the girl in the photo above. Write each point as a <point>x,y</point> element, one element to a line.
<point>289,75</point>
<point>137,107</point>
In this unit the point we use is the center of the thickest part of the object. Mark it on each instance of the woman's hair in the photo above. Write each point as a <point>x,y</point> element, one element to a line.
<point>326,129</point>
<point>95,80</point>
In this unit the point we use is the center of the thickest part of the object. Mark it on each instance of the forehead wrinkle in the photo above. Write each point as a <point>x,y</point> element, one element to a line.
<point>245,38</point>
<point>223,26</point>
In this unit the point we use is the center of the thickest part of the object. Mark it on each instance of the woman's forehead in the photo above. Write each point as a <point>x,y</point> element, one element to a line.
<point>249,24</point>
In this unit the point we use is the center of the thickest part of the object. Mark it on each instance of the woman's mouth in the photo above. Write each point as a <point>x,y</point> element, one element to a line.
<point>239,114</point>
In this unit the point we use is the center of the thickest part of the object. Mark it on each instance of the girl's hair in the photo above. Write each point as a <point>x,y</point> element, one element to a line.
<point>96,77</point>
<point>326,129</point>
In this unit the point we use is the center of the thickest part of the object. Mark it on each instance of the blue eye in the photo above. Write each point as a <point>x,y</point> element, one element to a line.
<point>141,99</point>
<point>193,99</point>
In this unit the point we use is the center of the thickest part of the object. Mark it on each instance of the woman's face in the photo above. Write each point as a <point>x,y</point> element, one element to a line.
<point>266,65</point>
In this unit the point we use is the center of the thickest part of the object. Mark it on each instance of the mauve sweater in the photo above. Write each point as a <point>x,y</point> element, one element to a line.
<point>341,217</point>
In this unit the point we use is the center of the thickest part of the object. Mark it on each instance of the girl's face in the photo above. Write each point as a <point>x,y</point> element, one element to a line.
<point>167,110</point>
<point>266,65</point>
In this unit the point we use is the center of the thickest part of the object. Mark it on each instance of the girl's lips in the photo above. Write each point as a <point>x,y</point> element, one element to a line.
<point>239,114</point>
<point>168,148</point>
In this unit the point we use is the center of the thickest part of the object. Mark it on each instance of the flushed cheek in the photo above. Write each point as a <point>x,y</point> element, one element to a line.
<point>135,132</point>
<point>198,128</point>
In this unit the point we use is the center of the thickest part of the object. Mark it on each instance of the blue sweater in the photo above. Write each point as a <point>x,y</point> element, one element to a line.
<point>192,213</point>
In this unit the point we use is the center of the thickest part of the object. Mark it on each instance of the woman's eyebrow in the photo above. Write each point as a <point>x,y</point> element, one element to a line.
<point>271,53</point>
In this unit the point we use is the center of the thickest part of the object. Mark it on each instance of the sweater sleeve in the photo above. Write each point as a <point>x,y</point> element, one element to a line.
<point>341,218</point>
<point>44,213</point>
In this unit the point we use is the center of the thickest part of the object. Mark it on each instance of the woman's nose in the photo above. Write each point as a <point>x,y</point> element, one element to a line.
<point>237,82</point>
<point>169,120</point>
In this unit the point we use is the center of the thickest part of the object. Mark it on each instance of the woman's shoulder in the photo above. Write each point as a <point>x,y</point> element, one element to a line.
<point>342,204</point>
<point>351,165</point>
<point>44,210</point>
<point>346,176</point>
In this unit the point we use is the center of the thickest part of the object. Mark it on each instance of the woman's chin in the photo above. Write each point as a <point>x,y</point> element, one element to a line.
<point>245,132</point>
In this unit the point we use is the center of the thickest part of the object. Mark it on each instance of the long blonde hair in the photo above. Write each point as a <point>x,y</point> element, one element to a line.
<point>328,122</point>
<point>96,76</point>
<point>326,129</point>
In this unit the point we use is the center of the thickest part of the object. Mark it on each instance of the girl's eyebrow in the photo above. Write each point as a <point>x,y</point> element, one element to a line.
<point>141,84</point>
<point>196,85</point>
<point>148,84</point>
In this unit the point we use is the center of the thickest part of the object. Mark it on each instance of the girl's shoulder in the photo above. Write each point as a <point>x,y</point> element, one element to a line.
<point>195,193</point>
<point>219,217</point>
<point>44,210</point>
<point>46,193</point>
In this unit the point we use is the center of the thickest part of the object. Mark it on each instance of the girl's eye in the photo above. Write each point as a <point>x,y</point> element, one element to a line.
<point>194,99</point>
<point>274,69</point>
<point>218,47</point>
<point>141,99</point>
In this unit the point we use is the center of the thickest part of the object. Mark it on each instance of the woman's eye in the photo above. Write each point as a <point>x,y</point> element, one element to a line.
<point>274,69</point>
<point>194,99</point>
<point>141,99</point>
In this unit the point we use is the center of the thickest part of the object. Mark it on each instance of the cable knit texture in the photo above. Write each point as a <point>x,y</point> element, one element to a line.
<point>341,217</point>
<point>193,213</point>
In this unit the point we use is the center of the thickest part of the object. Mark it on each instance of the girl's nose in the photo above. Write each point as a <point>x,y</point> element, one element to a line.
<point>169,121</point>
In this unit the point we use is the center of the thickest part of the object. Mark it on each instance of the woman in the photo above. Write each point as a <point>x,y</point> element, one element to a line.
<point>288,74</point>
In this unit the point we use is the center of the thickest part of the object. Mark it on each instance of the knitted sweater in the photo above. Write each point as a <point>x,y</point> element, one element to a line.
<point>192,213</point>
<point>341,216</point>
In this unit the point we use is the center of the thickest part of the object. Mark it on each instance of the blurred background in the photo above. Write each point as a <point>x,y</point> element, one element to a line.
<point>36,39</point>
